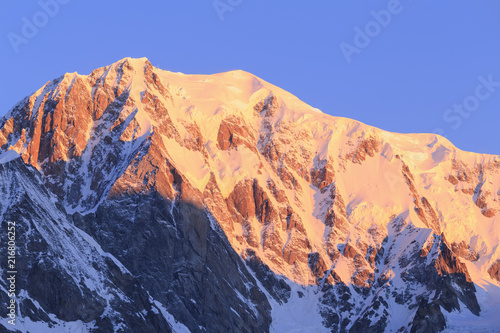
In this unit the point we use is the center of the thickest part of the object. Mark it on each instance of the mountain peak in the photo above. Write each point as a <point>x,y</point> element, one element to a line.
<point>134,62</point>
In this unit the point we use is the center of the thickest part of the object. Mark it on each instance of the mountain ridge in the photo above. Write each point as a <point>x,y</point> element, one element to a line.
<point>305,199</point>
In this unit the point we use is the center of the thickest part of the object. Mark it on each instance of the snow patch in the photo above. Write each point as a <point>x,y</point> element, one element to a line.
<point>8,156</point>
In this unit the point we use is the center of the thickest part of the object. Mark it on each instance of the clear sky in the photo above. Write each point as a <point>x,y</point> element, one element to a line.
<point>403,66</point>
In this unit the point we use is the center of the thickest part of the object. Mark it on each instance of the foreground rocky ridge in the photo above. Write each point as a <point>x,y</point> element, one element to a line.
<point>241,197</point>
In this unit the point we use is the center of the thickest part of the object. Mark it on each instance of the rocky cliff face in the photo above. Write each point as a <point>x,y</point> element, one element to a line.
<point>64,279</point>
<point>223,203</point>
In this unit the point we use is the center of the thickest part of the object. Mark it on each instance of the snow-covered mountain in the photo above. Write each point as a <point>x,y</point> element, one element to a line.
<point>152,201</point>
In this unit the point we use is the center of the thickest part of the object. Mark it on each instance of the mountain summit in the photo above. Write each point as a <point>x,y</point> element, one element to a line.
<point>152,201</point>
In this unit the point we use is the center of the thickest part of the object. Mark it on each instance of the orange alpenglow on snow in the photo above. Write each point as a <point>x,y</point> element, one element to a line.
<point>319,200</point>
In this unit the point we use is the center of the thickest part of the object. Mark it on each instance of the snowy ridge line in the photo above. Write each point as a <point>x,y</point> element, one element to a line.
<point>327,203</point>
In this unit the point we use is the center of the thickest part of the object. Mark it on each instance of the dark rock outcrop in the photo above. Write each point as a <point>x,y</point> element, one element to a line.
<point>494,270</point>
<point>60,270</point>
<point>202,279</point>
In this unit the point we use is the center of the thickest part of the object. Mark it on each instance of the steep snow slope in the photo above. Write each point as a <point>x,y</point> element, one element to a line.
<point>349,210</point>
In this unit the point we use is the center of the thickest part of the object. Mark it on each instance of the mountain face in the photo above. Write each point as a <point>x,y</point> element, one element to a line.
<point>152,201</point>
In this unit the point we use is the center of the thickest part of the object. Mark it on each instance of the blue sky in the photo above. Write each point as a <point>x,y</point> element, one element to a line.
<point>404,66</point>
